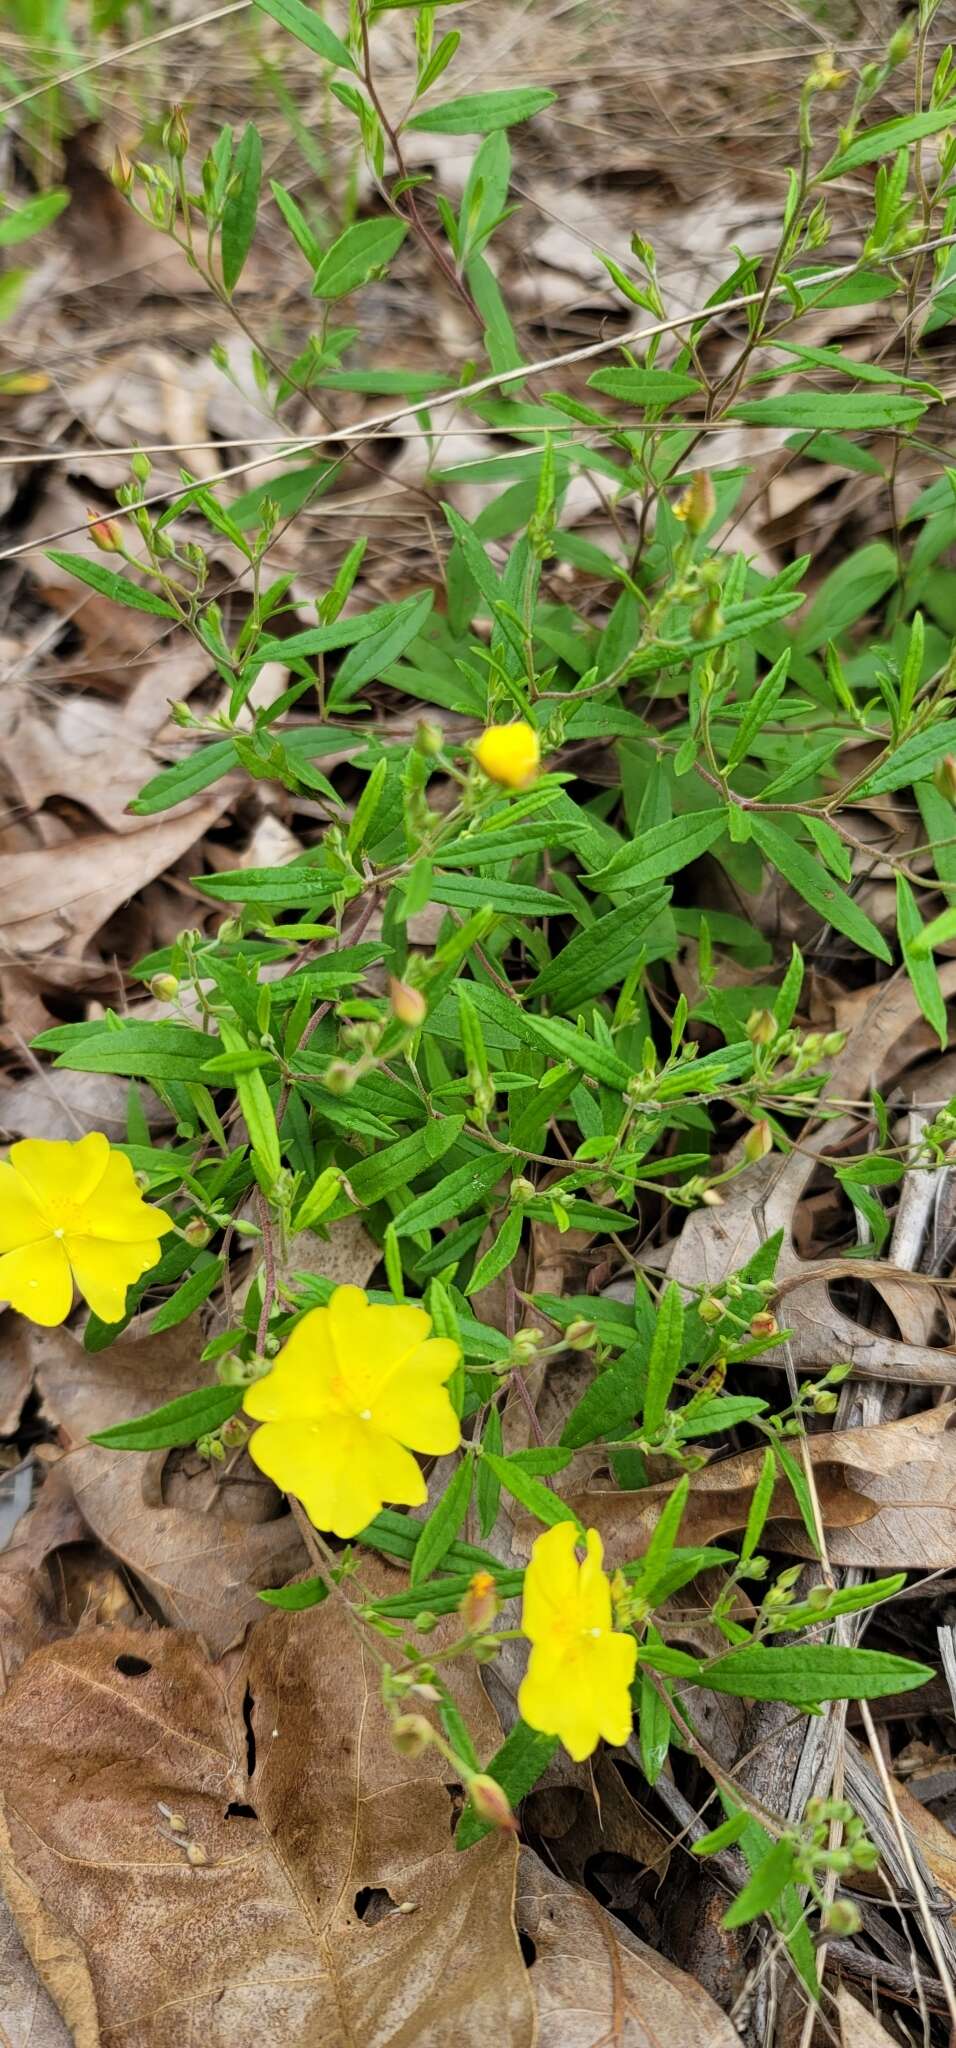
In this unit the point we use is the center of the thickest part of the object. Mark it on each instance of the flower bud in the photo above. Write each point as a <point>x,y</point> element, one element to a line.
<point>763,1324</point>
<point>121,171</point>
<point>707,622</point>
<point>176,134</point>
<point>233,1432</point>
<point>339,1077</point>
<point>900,45</point>
<point>509,754</point>
<point>841,1918</point>
<point>697,505</point>
<point>580,1335</point>
<point>177,1823</point>
<point>197,1232</point>
<point>824,1404</point>
<point>165,987</point>
<point>758,1142</point>
<point>761,1027</point>
<point>232,1371</point>
<point>709,1309</point>
<point>812,1045</point>
<point>524,1345</point>
<point>106,534</point>
<point>522,1189</point>
<point>425,1622</point>
<point>480,1604</point>
<point>944,776</point>
<point>195,1854</point>
<point>833,1042</point>
<point>408,1004</point>
<point>411,1734</point>
<point>141,466</point>
<point>864,1855</point>
<point>180,712</point>
<point>824,76</point>
<point>211,1447</point>
<point>491,1803</point>
<point>429,738</point>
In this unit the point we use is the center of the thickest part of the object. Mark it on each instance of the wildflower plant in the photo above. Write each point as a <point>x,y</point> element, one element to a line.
<point>530,1069</point>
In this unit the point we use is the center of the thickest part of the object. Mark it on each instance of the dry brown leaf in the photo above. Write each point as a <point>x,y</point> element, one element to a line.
<point>28,2016</point>
<point>289,1931</point>
<point>16,1371</point>
<point>596,1984</point>
<point>858,2026</point>
<point>887,1496</point>
<point>205,1567</point>
<point>57,898</point>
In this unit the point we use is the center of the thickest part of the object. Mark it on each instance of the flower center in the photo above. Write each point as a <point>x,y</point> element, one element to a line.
<point>365,1415</point>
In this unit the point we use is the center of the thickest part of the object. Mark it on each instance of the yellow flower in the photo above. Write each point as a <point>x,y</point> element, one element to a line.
<point>356,1389</point>
<point>509,754</point>
<point>73,1212</point>
<point>577,1684</point>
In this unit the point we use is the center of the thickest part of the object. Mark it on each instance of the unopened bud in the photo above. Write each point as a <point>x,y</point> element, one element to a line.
<point>841,1918</point>
<point>165,987</point>
<point>824,76</point>
<point>707,622</point>
<point>761,1027</point>
<point>425,1622</point>
<point>233,1432</point>
<point>177,1823</point>
<point>697,505</point>
<point>196,1232</point>
<point>411,1734</point>
<point>522,1189</point>
<point>408,1004</point>
<point>864,1855</point>
<point>121,171</point>
<point>180,712</point>
<point>429,738</point>
<point>833,1042</point>
<point>525,1344</point>
<point>758,1142</point>
<point>763,1324</point>
<point>176,134</point>
<point>339,1077</point>
<point>211,1447</point>
<point>709,1309</point>
<point>944,776</point>
<point>141,466</point>
<point>480,1604</point>
<point>580,1335</point>
<point>106,534</point>
<point>195,1854</point>
<point>491,1803</point>
<point>824,1404</point>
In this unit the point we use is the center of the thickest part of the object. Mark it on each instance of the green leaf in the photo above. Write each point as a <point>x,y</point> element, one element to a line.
<point>31,218</point>
<point>645,387</point>
<point>383,1173</point>
<point>853,589</point>
<point>296,1598</point>
<point>660,852</point>
<point>453,1196</point>
<point>499,1255</point>
<point>519,1763</point>
<point>597,1061</point>
<point>854,411</point>
<point>148,1052</point>
<point>611,1404</point>
<point>528,1491</point>
<point>363,249</point>
<point>487,1484</point>
<point>806,1674</point>
<point>920,965</point>
<point>599,957</point>
<point>109,584</point>
<point>187,1298</point>
<point>177,1422</point>
<point>664,1363</point>
<point>888,137</point>
<point>769,1880</point>
<point>443,1524</point>
<point>655,1726</point>
<point>912,760</point>
<point>308,28</point>
<point>375,654</point>
<point>762,704</point>
<point>760,1505</point>
<point>480,113</point>
<point>808,878</point>
<point>239,217</point>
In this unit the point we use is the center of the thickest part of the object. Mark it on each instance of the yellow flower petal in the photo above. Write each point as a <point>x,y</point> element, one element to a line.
<point>104,1272</point>
<point>20,1218</point>
<point>298,1388</point>
<point>372,1339</point>
<point>116,1209</point>
<point>342,1471</point>
<point>414,1405</point>
<point>36,1281</point>
<point>550,1582</point>
<point>594,1588</point>
<point>58,1172</point>
<point>509,754</point>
